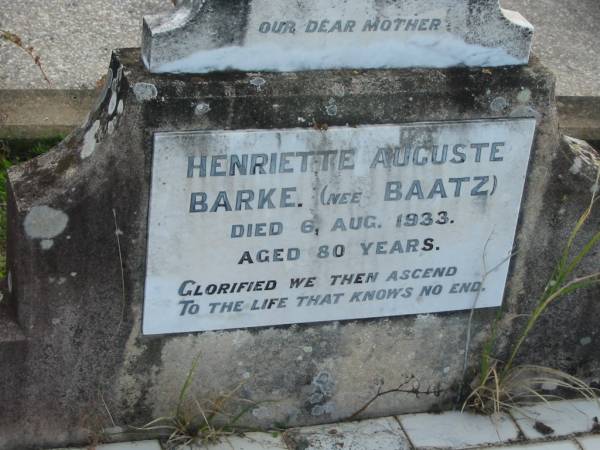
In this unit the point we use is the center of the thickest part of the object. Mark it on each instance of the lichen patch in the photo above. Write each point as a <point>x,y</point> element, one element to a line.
<point>89,140</point>
<point>145,91</point>
<point>44,222</point>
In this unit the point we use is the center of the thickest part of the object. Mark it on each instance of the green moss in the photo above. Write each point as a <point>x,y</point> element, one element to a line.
<point>13,152</point>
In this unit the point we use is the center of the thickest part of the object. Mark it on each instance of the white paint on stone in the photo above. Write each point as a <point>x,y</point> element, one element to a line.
<point>498,104</point>
<point>577,166</point>
<point>331,109</point>
<point>258,82</point>
<point>112,104</point>
<point>119,74</point>
<point>549,386</point>
<point>89,140</point>
<point>426,52</point>
<point>115,83</point>
<point>44,222</point>
<point>524,96</point>
<point>201,109</point>
<point>585,341</point>
<point>524,111</point>
<point>325,34</point>
<point>46,244</point>
<point>9,282</point>
<point>120,107</point>
<point>145,91</point>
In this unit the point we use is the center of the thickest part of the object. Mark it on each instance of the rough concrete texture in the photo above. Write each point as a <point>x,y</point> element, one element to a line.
<point>75,38</point>
<point>580,117</point>
<point>567,39</point>
<point>78,302</point>
<point>379,434</point>
<point>39,113</point>
<point>203,36</point>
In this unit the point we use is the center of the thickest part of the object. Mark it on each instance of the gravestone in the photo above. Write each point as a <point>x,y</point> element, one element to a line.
<point>207,35</point>
<point>313,235</point>
<point>305,225</point>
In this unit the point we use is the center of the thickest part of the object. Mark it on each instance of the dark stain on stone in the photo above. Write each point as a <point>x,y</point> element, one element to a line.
<point>596,426</point>
<point>542,428</point>
<point>66,162</point>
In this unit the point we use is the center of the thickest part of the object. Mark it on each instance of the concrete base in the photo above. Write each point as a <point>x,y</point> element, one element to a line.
<point>40,114</point>
<point>570,426</point>
<point>77,242</point>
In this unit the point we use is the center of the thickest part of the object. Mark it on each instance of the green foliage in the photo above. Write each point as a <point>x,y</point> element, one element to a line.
<point>562,283</point>
<point>502,385</point>
<point>196,422</point>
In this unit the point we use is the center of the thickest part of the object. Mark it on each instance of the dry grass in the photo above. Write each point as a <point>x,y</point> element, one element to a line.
<point>522,385</point>
<point>16,40</point>
<point>201,422</point>
<point>501,385</point>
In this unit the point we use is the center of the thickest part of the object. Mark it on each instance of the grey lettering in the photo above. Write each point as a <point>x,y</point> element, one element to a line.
<point>192,165</point>
<point>371,25</point>
<point>198,202</point>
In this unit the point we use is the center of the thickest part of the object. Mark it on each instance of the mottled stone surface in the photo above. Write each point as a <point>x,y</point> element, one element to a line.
<point>567,39</point>
<point>202,36</point>
<point>78,303</point>
<point>378,434</point>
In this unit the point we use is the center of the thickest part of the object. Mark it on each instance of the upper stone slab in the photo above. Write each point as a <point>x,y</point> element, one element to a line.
<point>202,36</point>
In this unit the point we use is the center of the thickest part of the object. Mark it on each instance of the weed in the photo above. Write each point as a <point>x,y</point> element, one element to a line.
<point>200,424</point>
<point>15,39</point>
<point>502,385</point>
<point>409,386</point>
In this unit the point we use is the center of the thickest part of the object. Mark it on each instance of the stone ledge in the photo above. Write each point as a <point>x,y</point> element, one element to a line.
<point>39,114</point>
<point>580,117</point>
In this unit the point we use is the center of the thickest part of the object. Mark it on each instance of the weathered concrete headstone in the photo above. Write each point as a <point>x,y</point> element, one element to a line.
<point>207,35</point>
<point>304,225</point>
<point>314,235</point>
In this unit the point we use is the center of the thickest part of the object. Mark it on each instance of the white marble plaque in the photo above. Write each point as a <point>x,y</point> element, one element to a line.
<point>281,35</point>
<point>268,227</point>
